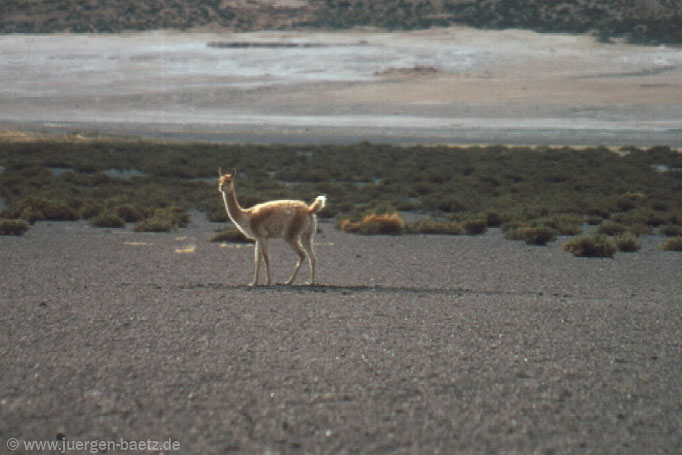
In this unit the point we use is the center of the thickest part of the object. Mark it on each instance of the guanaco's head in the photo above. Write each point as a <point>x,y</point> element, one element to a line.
<point>226,181</point>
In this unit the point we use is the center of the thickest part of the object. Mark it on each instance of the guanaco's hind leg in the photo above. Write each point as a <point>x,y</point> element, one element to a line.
<point>266,258</point>
<point>296,245</point>
<point>312,260</point>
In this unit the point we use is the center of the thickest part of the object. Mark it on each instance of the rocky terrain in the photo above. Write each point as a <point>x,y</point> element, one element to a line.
<point>420,344</point>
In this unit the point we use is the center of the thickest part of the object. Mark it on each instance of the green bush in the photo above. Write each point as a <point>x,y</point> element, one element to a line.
<point>627,242</point>
<point>231,235</point>
<point>595,245</point>
<point>107,221</point>
<point>13,227</point>
<point>672,244</point>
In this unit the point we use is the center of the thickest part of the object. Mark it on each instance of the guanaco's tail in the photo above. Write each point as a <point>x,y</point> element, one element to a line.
<point>318,205</point>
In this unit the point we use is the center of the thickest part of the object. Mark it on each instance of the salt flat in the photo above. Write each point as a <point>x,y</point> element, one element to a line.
<point>455,85</point>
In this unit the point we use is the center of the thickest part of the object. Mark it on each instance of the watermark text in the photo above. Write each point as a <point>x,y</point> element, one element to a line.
<point>94,446</point>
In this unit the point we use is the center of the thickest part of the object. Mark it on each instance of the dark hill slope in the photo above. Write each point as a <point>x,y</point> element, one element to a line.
<point>651,21</point>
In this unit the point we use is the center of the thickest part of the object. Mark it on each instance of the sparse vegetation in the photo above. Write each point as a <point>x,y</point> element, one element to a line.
<point>453,189</point>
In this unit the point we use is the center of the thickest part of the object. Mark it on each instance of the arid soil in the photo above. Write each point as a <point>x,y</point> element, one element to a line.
<point>412,344</point>
<point>454,85</point>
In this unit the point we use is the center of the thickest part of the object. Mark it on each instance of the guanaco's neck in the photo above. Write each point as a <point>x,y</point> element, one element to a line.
<point>234,211</point>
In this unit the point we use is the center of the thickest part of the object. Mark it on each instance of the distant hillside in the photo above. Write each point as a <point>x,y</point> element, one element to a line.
<point>645,21</point>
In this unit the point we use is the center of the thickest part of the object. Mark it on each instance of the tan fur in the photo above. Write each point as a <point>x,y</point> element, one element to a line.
<point>293,221</point>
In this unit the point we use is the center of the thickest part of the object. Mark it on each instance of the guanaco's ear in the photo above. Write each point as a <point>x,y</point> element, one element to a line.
<point>234,172</point>
<point>220,171</point>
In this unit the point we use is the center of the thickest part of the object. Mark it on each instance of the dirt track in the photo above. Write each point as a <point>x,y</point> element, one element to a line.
<point>412,345</point>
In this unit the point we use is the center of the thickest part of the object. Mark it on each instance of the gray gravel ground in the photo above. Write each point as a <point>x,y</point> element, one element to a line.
<point>413,345</point>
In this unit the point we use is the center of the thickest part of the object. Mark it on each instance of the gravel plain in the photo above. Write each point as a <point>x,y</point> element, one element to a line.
<point>411,344</point>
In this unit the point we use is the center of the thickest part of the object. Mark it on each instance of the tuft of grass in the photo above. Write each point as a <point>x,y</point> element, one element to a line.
<point>672,244</point>
<point>627,243</point>
<point>595,245</point>
<point>106,220</point>
<point>371,224</point>
<point>431,226</point>
<point>230,235</point>
<point>13,227</point>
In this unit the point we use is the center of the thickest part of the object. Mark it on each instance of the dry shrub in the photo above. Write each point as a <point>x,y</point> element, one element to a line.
<point>231,235</point>
<point>535,235</point>
<point>130,213</point>
<point>391,224</point>
<point>627,243</point>
<point>672,244</point>
<point>431,226</point>
<point>164,220</point>
<point>107,221</point>
<point>13,227</point>
<point>596,245</point>
<point>475,226</point>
